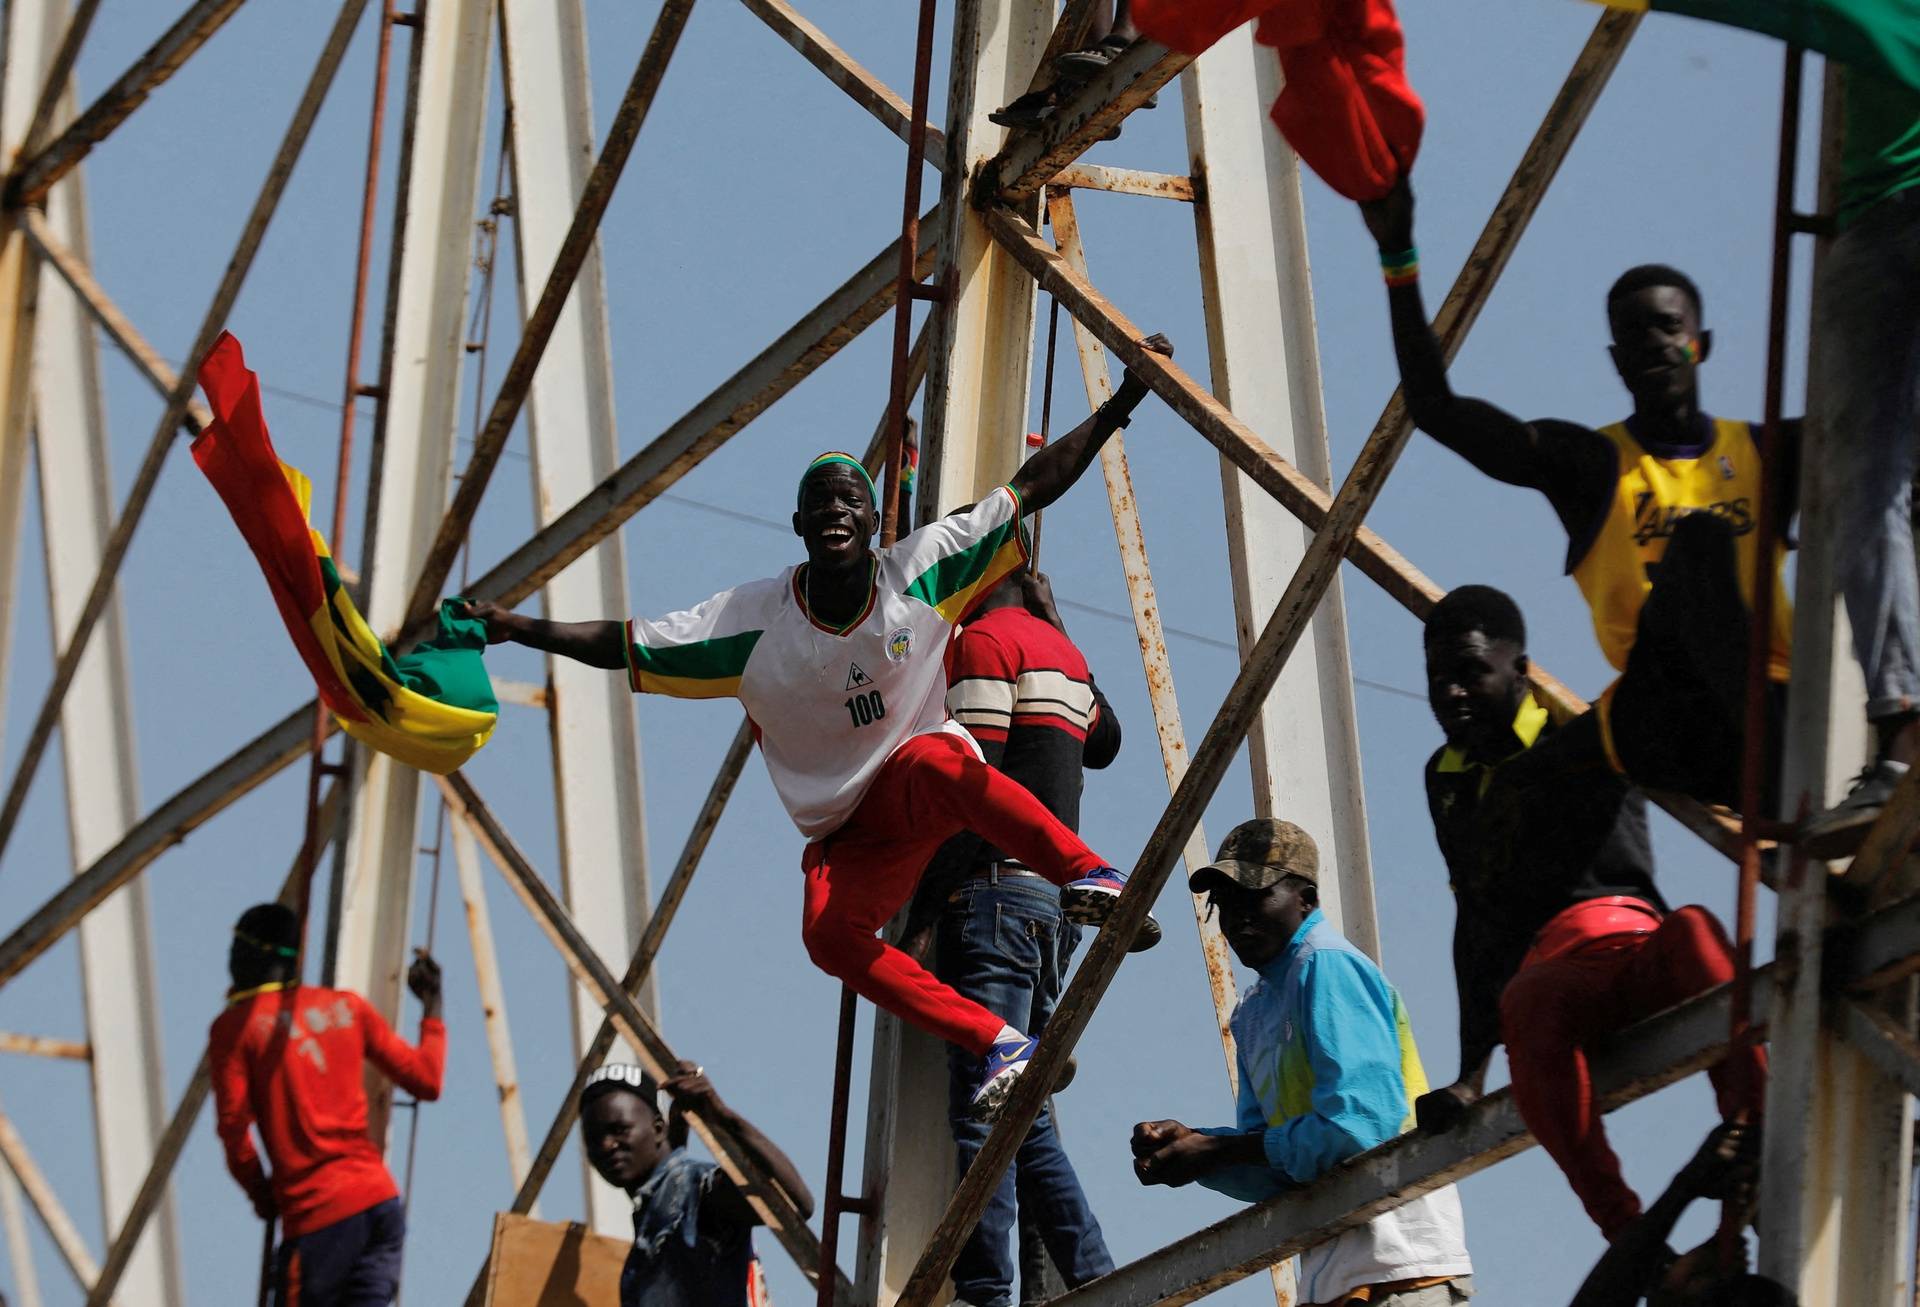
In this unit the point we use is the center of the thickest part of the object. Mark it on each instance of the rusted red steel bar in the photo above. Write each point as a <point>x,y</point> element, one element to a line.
<point>595,195</point>
<point>36,176</point>
<point>1757,760</point>
<point>907,289</point>
<point>343,462</point>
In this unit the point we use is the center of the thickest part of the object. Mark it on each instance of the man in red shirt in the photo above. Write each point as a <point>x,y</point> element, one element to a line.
<point>289,1058</point>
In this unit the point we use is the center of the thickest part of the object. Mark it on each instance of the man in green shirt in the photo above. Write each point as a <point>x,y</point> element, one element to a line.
<point>1867,310</point>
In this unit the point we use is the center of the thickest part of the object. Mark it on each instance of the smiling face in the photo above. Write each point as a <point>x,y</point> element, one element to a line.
<point>1658,346</point>
<point>624,1138</point>
<point>836,518</point>
<point>1474,685</point>
<point>1260,923</point>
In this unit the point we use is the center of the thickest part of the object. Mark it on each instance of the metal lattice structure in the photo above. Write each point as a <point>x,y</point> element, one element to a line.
<point>1837,1006</point>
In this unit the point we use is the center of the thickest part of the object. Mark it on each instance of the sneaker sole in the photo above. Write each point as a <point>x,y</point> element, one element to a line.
<point>993,1096</point>
<point>1086,905</point>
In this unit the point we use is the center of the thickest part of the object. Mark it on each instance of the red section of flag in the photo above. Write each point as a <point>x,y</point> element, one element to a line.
<point>236,455</point>
<point>1347,108</point>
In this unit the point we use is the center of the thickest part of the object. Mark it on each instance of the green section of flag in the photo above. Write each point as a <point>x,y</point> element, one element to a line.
<point>1879,36</point>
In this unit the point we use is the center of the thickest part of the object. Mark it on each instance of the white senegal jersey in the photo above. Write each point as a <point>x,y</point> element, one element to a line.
<point>830,705</point>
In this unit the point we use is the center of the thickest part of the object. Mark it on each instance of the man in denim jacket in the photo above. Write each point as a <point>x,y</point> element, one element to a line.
<point>1327,1069</point>
<point>692,1228</point>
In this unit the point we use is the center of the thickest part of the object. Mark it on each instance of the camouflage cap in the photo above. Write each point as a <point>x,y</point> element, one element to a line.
<point>1260,853</point>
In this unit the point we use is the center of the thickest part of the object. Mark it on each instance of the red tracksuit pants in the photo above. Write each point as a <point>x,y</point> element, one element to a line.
<point>1596,968</point>
<point>932,788</point>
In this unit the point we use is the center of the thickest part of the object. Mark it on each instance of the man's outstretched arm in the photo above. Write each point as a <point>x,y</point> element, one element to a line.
<point>1493,440</point>
<point>598,644</point>
<point>1047,475</point>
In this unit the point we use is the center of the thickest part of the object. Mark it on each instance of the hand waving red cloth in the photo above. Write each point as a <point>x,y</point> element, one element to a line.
<point>1347,108</point>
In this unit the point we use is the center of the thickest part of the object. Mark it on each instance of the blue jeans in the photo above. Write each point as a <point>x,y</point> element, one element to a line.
<point>1867,309</point>
<point>1005,946</point>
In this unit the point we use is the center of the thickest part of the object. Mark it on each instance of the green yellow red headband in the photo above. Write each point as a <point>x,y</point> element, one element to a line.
<point>830,459</point>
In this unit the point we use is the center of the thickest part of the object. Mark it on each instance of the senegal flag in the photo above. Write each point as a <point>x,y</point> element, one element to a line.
<point>431,708</point>
<point>1879,36</point>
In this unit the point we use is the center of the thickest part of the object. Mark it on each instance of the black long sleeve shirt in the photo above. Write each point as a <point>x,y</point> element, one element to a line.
<point>1549,826</point>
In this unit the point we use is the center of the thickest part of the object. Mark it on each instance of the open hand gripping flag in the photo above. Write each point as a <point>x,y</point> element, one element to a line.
<point>1346,108</point>
<point>431,708</point>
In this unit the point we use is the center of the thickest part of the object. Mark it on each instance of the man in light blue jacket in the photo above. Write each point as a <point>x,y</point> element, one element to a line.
<point>1327,1069</point>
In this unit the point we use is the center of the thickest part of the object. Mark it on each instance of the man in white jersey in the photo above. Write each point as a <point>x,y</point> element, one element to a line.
<point>840,663</point>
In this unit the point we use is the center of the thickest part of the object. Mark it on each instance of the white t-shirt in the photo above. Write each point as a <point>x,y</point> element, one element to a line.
<point>830,706</point>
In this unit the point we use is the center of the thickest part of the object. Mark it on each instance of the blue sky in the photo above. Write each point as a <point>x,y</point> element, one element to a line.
<point>755,188</point>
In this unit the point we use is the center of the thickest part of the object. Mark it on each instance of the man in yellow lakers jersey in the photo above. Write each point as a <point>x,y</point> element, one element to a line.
<point>1661,513</point>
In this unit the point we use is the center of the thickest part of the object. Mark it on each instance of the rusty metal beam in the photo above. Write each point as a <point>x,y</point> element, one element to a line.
<point>595,195</point>
<point>32,180</point>
<point>1874,951</point>
<point>1123,181</point>
<point>41,1046</point>
<point>493,1001</point>
<point>114,551</point>
<point>58,71</point>
<point>1029,161</point>
<point>1635,1063</point>
<point>790,359</point>
<point>1890,838</point>
<point>146,360</point>
<point>1886,1043</point>
<point>847,73</point>
<point>46,1203</point>
<point>173,1140</point>
<point>1148,630</point>
<point>153,1190</point>
<point>771,1203</point>
<point>252,764</point>
<point>658,920</point>
<point>716,419</point>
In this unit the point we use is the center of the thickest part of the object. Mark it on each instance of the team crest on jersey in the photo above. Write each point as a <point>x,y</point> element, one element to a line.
<point>899,644</point>
<point>1726,468</point>
<point>856,678</point>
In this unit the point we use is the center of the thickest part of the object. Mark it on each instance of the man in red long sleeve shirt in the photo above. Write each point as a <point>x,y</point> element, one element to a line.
<point>288,1058</point>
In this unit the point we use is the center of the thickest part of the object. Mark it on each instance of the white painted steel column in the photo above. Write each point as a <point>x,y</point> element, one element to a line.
<point>596,745</point>
<point>1839,1140</point>
<point>421,412</point>
<point>979,381</point>
<point>13,1217</point>
<point>118,984</point>
<point>1265,357</point>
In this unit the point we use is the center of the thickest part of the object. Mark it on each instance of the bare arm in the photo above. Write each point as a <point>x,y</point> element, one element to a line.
<point>1494,441</point>
<point>691,1090</point>
<point>598,644</point>
<point>1048,474</point>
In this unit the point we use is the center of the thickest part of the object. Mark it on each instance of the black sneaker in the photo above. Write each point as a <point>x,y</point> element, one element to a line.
<point>1837,832</point>
<point>1029,113</point>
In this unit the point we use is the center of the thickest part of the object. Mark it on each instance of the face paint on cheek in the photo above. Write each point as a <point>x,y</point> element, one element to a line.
<point>1691,348</point>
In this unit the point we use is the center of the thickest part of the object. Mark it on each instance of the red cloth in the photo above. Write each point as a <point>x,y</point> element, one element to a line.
<point>1596,979</point>
<point>291,1062</point>
<point>237,456</point>
<point>932,788</point>
<point>1347,108</point>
